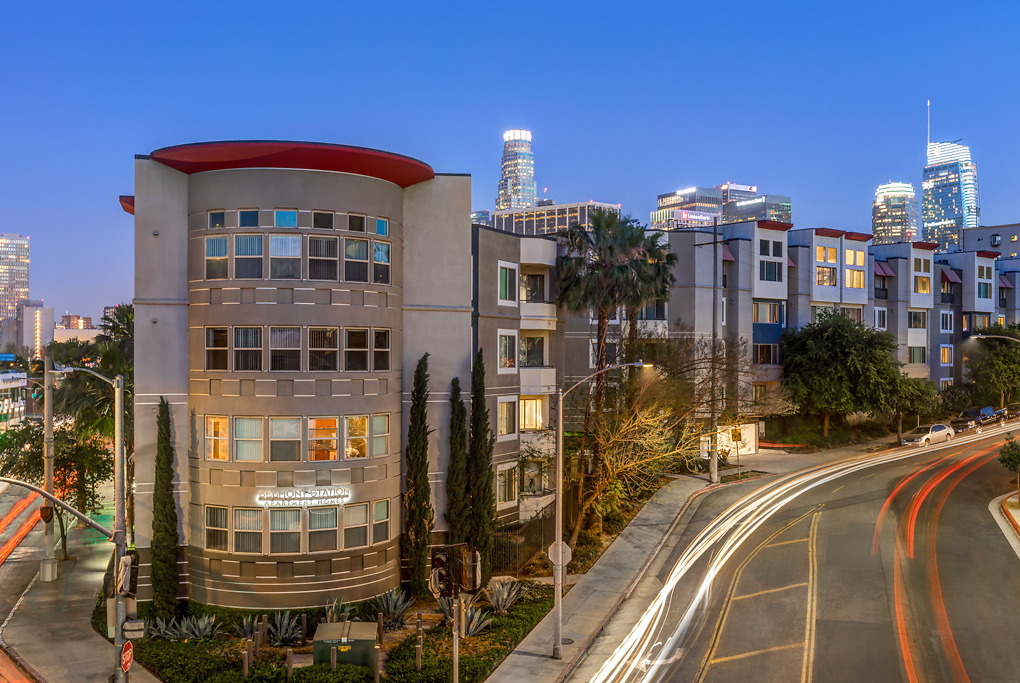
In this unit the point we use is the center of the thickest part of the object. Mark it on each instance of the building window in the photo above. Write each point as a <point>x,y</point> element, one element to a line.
<point>380,521</point>
<point>355,525</point>
<point>382,226</point>
<point>507,420</point>
<point>215,528</point>
<point>356,223</point>
<point>854,278</point>
<point>323,220</point>
<point>285,348</point>
<point>356,436</point>
<point>854,257</point>
<point>984,290</point>
<point>356,259</point>
<point>922,284</point>
<point>322,528</point>
<point>777,248</point>
<point>507,284</point>
<point>765,313</point>
<point>758,390</point>
<point>216,352</point>
<point>285,439</point>
<point>322,438</point>
<point>248,257</point>
<point>286,218</point>
<point>215,258</point>
<point>323,258</point>
<point>917,320</point>
<point>922,265</point>
<point>532,288</point>
<point>380,434</point>
<point>764,248</point>
<point>765,354</point>
<point>880,318</point>
<point>825,276</point>
<point>945,384</point>
<point>380,350</point>
<point>381,263</point>
<point>506,486</point>
<point>825,254</point>
<point>531,414</point>
<point>946,354</point>
<point>854,313</point>
<point>655,310</point>
<point>946,321</point>
<point>247,530</point>
<point>984,272</point>
<point>247,348</point>
<point>217,219</point>
<point>285,257</point>
<point>248,439</point>
<point>770,271</point>
<point>248,218</point>
<point>1001,321</point>
<point>507,351</point>
<point>532,352</point>
<point>323,349</point>
<point>217,446</point>
<point>285,531</point>
<point>356,350</point>
<point>916,354</point>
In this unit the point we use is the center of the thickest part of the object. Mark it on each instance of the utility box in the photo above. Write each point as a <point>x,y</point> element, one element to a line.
<point>354,642</point>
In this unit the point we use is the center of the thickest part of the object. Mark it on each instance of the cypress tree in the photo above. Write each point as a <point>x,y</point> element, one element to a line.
<point>419,516</point>
<point>458,498</point>
<point>481,441</point>
<point>165,579</point>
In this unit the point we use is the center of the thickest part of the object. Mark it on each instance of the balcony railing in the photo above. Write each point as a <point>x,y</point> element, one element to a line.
<point>947,298</point>
<point>881,293</point>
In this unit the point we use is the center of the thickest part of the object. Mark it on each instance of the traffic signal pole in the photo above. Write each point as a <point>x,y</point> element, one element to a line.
<point>48,566</point>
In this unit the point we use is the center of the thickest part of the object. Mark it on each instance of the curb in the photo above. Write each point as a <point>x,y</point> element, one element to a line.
<point>1009,517</point>
<point>7,648</point>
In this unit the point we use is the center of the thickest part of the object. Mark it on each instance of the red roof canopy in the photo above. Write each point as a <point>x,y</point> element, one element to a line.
<point>988,254</point>
<point>930,246</point>
<point>127,202</point>
<point>1005,283</point>
<point>949,275</point>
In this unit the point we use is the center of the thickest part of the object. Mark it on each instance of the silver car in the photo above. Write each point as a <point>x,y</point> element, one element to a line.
<point>925,435</point>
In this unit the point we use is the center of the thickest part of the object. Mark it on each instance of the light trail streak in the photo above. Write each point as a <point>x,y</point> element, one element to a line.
<point>16,510</point>
<point>7,548</point>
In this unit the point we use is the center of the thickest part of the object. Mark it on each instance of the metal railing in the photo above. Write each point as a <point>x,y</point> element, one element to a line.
<point>513,550</point>
<point>881,293</point>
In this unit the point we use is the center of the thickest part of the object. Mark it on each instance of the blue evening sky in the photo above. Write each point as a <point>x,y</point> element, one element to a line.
<point>821,101</point>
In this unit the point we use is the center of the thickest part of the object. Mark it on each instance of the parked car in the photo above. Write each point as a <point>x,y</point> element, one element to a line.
<point>1013,411</point>
<point>977,419</point>
<point>925,435</point>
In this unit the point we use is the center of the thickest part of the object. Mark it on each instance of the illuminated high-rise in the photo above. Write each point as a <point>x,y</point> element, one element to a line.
<point>894,214</point>
<point>13,273</point>
<point>950,193</point>
<point>517,189</point>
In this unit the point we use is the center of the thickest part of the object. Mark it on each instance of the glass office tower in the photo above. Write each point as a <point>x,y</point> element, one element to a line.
<point>950,193</point>
<point>517,188</point>
<point>894,213</point>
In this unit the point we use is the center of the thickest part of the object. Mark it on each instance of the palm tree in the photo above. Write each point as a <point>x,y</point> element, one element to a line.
<point>654,278</point>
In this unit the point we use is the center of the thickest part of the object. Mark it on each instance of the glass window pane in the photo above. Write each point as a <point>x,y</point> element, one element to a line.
<point>248,427</point>
<point>381,510</point>
<point>319,541</point>
<point>248,451</point>
<point>357,426</point>
<point>247,519</point>
<point>248,268</point>
<point>356,223</point>
<point>355,538</point>
<point>286,218</point>
<point>323,247</point>
<point>216,337</point>
<point>285,337</point>
<point>356,249</point>
<point>285,428</point>
<point>382,226</point>
<point>355,515</point>
<point>380,424</point>
<point>357,448</point>
<point>285,520</point>
<point>248,219</point>
<point>381,252</point>
<point>285,245</point>
<point>216,517</point>
<point>322,220</point>
<point>356,339</point>
<point>215,247</point>
<point>248,337</point>
<point>248,245</point>
<point>217,219</point>
<point>321,518</point>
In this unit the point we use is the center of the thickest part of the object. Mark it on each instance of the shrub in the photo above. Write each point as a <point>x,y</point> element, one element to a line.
<point>392,605</point>
<point>446,606</point>
<point>345,673</point>
<point>284,629</point>
<point>247,627</point>
<point>504,595</point>
<point>183,662</point>
<point>476,620</point>
<point>199,628</point>
<point>338,610</point>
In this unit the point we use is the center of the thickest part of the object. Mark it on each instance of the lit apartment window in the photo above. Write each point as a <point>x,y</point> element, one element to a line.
<point>825,254</point>
<point>248,439</point>
<point>216,352</point>
<point>323,349</point>
<point>284,439</point>
<point>917,320</point>
<point>356,350</point>
<point>946,355</point>
<point>215,528</point>
<point>507,351</point>
<point>382,227</point>
<point>248,257</point>
<point>356,436</point>
<point>507,284</point>
<point>770,271</point>
<point>247,348</point>
<point>946,321</point>
<point>217,219</point>
<point>380,350</point>
<point>825,276</point>
<point>984,290</point>
<point>922,265</point>
<point>247,530</point>
<point>765,313</point>
<point>880,319</point>
<point>381,263</point>
<point>323,220</point>
<point>323,433</point>
<point>215,258</point>
<point>765,354</point>
<point>945,384</point>
<point>248,218</point>
<point>380,521</point>
<point>217,446</point>
<point>322,528</point>
<point>285,348</point>
<point>1001,321</point>
<point>854,313</point>
<point>380,434</point>
<point>355,260</point>
<point>507,422</point>
<point>355,525</point>
<point>916,354</point>
<point>854,278</point>
<point>984,272</point>
<point>854,257</point>
<point>323,258</point>
<point>286,218</point>
<point>531,414</point>
<point>922,284</point>
<point>356,223</point>
<point>506,486</point>
<point>285,257</point>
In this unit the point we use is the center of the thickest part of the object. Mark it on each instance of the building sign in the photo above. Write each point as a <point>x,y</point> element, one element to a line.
<point>9,380</point>
<point>302,497</point>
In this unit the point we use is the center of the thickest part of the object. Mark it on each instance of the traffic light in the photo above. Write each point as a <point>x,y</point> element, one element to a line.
<point>127,577</point>
<point>442,581</point>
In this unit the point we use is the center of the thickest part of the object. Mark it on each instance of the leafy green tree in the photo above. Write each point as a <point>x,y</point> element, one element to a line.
<point>419,515</point>
<point>165,540</point>
<point>911,396</point>
<point>836,366</point>
<point>1009,457</point>
<point>481,442</point>
<point>994,364</point>
<point>458,498</point>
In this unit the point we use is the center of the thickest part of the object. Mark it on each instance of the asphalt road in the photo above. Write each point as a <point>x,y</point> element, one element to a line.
<point>894,571</point>
<point>20,551</point>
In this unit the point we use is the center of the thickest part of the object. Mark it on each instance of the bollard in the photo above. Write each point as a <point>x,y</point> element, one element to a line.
<point>290,663</point>
<point>332,658</point>
<point>251,651</point>
<point>304,628</point>
<point>378,662</point>
<point>245,663</point>
<point>379,627</point>
<point>419,646</point>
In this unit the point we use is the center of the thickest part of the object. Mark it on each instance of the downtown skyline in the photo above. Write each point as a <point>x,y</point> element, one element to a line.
<point>107,87</point>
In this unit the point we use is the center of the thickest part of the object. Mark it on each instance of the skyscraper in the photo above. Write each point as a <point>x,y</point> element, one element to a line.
<point>696,207</point>
<point>950,193</point>
<point>517,188</point>
<point>894,214</point>
<point>13,273</point>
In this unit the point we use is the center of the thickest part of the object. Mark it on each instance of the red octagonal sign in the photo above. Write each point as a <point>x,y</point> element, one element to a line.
<point>127,655</point>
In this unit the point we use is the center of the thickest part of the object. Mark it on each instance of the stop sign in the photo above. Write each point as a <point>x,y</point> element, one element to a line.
<point>127,655</point>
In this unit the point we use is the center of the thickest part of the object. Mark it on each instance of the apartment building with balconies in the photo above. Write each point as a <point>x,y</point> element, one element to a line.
<point>831,274</point>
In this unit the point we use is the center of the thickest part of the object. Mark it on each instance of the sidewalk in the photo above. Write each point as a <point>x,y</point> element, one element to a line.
<point>51,629</point>
<point>596,595</point>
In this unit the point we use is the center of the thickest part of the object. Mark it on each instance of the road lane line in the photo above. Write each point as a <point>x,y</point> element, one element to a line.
<point>812,600</point>
<point>770,590</point>
<point>7,548</point>
<point>837,490</point>
<point>796,540</point>
<point>745,655</point>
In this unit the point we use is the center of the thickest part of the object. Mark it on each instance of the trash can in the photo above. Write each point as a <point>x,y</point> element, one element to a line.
<point>353,640</point>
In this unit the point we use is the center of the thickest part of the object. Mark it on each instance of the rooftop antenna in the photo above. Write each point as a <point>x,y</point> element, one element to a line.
<point>929,122</point>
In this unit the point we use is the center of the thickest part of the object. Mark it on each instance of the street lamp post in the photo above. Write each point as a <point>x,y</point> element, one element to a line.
<point>559,554</point>
<point>48,567</point>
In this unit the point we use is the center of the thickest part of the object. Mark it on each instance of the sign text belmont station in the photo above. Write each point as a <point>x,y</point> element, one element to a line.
<point>302,497</point>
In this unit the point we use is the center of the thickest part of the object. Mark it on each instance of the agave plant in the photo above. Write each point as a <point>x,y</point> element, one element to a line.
<point>284,629</point>
<point>199,628</point>
<point>446,606</point>
<point>337,610</point>
<point>163,629</point>
<point>504,596</point>
<point>247,627</point>
<point>393,605</point>
<point>476,620</point>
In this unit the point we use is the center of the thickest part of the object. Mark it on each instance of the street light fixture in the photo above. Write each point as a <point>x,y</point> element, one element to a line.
<point>559,551</point>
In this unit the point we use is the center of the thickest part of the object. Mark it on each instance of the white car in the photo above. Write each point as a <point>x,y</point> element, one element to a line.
<point>925,435</point>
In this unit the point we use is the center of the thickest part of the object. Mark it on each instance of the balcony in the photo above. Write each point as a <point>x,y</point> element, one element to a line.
<point>881,293</point>
<point>537,251</point>
<point>538,315</point>
<point>541,440</point>
<point>947,298</point>
<point>538,380</point>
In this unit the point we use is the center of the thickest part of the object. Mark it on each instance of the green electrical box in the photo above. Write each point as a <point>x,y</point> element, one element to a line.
<point>354,642</point>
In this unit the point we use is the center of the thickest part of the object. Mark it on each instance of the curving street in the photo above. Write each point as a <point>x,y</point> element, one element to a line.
<point>882,567</point>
